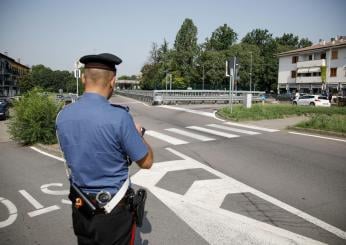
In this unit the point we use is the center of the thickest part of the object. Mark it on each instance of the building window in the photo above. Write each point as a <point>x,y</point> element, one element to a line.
<point>323,55</point>
<point>293,74</point>
<point>333,72</point>
<point>294,59</point>
<point>310,57</point>
<point>334,54</point>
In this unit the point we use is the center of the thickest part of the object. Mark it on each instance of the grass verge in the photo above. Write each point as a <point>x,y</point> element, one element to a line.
<point>332,119</point>
<point>334,123</point>
<point>276,111</point>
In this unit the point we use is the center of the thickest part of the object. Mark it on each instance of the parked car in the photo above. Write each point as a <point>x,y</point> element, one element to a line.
<point>4,109</point>
<point>312,100</point>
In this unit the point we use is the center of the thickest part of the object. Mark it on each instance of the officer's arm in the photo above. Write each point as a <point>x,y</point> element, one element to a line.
<point>147,161</point>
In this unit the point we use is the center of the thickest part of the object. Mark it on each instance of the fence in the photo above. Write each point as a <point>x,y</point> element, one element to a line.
<point>189,96</point>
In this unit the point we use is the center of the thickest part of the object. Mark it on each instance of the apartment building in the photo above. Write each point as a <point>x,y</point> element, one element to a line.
<point>10,73</point>
<point>320,67</point>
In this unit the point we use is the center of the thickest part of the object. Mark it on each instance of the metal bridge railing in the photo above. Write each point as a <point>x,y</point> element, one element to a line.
<point>188,96</point>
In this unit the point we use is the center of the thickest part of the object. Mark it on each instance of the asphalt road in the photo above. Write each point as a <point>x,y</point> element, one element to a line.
<point>212,183</point>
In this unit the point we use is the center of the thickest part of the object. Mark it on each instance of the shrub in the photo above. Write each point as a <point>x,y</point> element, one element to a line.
<point>34,119</point>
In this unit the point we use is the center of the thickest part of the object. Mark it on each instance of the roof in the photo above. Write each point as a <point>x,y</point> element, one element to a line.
<point>322,45</point>
<point>12,60</point>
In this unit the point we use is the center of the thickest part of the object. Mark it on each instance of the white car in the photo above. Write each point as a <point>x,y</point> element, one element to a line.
<point>312,100</point>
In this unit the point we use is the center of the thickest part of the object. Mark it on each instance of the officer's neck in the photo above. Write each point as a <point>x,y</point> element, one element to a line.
<point>97,90</point>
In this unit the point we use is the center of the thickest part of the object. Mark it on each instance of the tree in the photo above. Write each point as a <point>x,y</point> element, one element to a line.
<point>304,42</point>
<point>221,39</point>
<point>267,77</point>
<point>155,69</point>
<point>47,79</point>
<point>258,37</point>
<point>288,39</point>
<point>186,50</point>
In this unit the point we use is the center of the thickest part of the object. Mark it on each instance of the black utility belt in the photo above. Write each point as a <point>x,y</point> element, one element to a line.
<point>92,204</point>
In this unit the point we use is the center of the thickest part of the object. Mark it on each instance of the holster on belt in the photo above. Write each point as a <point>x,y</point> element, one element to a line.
<point>138,204</point>
<point>81,202</point>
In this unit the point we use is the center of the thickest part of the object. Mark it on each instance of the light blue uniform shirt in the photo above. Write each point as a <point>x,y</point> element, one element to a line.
<point>96,138</point>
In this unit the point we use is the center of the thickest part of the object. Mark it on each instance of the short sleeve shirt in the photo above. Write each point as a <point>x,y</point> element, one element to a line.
<point>96,139</point>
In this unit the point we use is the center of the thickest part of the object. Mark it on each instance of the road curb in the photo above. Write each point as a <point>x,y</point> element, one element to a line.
<point>51,149</point>
<point>317,131</point>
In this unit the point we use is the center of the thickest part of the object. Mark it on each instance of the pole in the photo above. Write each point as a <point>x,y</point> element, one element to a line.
<point>170,81</point>
<point>203,78</point>
<point>230,92</point>
<point>251,72</point>
<point>77,83</point>
<point>166,81</point>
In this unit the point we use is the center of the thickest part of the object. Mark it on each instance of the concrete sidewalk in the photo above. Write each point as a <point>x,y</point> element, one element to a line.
<point>4,135</point>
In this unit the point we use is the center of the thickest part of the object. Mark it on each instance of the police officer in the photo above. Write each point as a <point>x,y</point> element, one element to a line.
<point>97,139</point>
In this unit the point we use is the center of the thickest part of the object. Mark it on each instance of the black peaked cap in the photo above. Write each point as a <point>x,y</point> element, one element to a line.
<point>104,61</point>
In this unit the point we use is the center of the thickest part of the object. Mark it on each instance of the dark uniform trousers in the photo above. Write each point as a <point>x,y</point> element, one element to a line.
<point>114,228</point>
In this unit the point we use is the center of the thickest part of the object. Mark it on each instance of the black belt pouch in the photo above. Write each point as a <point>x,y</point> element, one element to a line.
<point>140,198</point>
<point>87,208</point>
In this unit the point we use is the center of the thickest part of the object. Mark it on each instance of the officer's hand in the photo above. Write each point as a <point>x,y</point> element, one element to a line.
<point>139,129</point>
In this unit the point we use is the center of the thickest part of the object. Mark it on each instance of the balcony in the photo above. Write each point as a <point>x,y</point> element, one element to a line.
<point>311,63</point>
<point>308,80</point>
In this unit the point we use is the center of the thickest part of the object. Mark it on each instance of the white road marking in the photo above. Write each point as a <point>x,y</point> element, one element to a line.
<point>233,129</point>
<point>252,127</point>
<point>64,201</point>
<point>30,199</point>
<point>43,211</point>
<point>12,211</point>
<point>211,131</point>
<point>44,189</point>
<point>165,137</point>
<point>200,207</point>
<point>317,136</point>
<point>189,134</point>
<point>47,154</point>
<point>202,113</point>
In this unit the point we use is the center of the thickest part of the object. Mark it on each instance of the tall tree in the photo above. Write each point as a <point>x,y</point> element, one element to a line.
<point>186,49</point>
<point>221,39</point>
<point>288,39</point>
<point>268,47</point>
<point>304,42</point>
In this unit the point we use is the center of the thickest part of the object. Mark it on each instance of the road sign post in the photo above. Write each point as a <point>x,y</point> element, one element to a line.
<point>231,71</point>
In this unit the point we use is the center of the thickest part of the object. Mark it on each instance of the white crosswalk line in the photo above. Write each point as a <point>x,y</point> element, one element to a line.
<point>189,134</point>
<point>211,131</point>
<point>165,137</point>
<point>233,129</point>
<point>252,127</point>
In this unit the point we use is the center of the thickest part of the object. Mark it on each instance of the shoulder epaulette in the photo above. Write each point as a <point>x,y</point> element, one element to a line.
<point>126,108</point>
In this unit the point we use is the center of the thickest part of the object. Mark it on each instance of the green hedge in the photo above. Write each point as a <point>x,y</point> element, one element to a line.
<point>34,119</point>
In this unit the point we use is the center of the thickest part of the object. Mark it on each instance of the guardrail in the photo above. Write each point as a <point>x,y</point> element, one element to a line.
<point>188,96</point>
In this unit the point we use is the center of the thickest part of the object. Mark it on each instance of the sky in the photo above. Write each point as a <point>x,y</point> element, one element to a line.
<point>56,33</point>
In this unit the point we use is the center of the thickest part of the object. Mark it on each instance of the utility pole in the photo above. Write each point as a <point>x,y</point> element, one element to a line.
<point>166,80</point>
<point>250,71</point>
<point>203,77</point>
<point>170,81</point>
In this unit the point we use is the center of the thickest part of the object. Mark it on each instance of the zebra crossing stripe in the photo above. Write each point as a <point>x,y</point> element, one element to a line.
<point>211,131</point>
<point>189,134</point>
<point>252,127</point>
<point>165,137</point>
<point>233,129</point>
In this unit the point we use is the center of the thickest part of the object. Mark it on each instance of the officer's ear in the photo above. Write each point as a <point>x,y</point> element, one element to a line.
<point>113,81</point>
<point>83,79</point>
